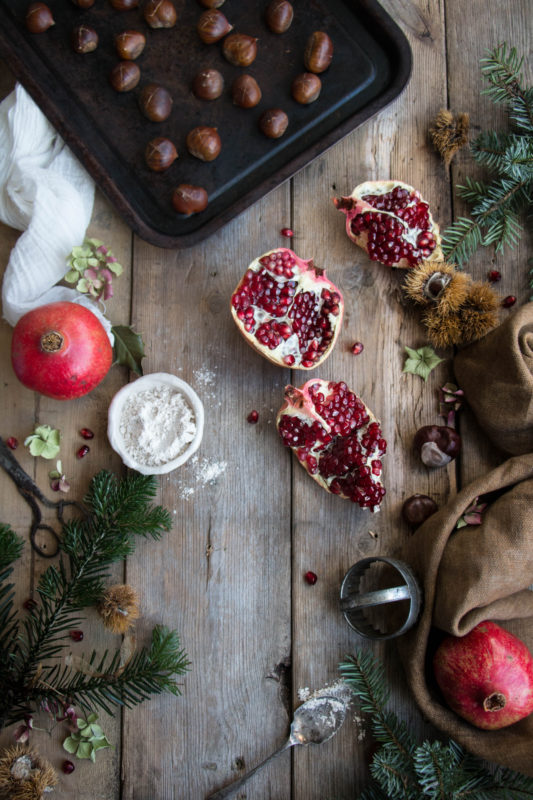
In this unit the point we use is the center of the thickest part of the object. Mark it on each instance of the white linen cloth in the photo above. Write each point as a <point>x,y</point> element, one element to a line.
<point>45,192</point>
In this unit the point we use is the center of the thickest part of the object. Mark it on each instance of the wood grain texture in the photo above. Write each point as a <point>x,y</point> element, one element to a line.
<point>248,521</point>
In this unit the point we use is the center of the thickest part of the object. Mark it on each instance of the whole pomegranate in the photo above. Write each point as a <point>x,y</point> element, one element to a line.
<point>392,222</point>
<point>60,350</point>
<point>486,677</point>
<point>288,310</point>
<point>336,438</point>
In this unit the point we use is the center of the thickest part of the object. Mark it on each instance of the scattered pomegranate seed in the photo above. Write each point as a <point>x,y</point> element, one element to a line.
<point>76,636</point>
<point>494,276</point>
<point>357,348</point>
<point>509,301</point>
<point>29,604</point>
<point>311,578</point>
<point>12,443</point>
<point>82,452</point>
<point>288,232</point>
<point>253,416</point>
<point>68,767</point>
<point>87,433</point>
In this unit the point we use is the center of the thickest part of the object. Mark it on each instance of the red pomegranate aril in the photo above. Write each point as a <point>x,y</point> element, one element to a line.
<point>76,636</point>
<point>86,433</point>
<point>29,604</point>
<point>68,767</point>
<point>253,417</point>
<point>12,443</point>
<point>509,301</point>
<point>82,452</point>
<point>311,578</point>
<point>288,232</point>
<point>494,276</point>
<point>357,348</point>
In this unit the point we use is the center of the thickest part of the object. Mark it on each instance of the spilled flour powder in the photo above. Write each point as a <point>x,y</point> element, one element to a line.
<point>204,473</point>
<point>341,691</point>
<point>157,425</point>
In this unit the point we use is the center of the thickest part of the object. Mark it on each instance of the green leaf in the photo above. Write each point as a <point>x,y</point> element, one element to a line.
<point>84,750</point>
<point>129,347</point>
<point>421,362</point>
<point>92,718</point>
<point>70,744</point>
<point>81,723</point>
<point>37,447</point>
<point>100,743</point>
<point>115,267</point>
<point>96,730</point>
<point>72,276</point>
<point>83,285</point>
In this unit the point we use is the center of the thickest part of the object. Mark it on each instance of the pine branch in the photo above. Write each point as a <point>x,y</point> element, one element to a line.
<point>462,239</point>
<point>11,546</point>
<point>502,71</point>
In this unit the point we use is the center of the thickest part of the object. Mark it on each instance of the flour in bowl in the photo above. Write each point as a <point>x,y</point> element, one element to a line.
<point>157,425</point>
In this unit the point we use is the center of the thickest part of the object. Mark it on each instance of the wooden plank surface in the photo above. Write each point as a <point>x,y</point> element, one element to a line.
<point>248,522</point>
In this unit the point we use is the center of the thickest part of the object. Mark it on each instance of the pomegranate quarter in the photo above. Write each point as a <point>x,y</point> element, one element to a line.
<point>288,310</point>
<point>392,222</point>
<point>336,438</point>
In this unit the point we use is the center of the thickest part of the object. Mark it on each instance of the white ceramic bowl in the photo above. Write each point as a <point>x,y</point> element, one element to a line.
<point>116,438</point>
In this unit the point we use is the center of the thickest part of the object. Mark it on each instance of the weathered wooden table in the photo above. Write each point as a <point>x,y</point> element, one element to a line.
<point>229,577</point>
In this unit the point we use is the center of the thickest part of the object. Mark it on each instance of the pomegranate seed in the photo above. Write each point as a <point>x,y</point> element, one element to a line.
<point>494,276</point>
<point>311,578</point>
<point>12,443</point>
<point>82,452</point>
<point>76,636</point>
<point>287,232</point>
<point>253,416</point>
<point>68,767</point>
<point>87,433</point>
<point>509,301</point>
<point>357,348</point>
<point>29,604</point>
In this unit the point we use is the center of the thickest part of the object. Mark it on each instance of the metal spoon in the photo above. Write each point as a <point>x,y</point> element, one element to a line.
<point>314,722</point>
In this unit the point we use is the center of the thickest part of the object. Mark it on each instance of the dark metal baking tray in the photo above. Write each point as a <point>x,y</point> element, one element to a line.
<point>106,130</point>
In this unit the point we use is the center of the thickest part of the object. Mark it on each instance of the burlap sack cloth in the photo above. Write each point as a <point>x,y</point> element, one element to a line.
<point>469,575</point>
<point>496,375</point>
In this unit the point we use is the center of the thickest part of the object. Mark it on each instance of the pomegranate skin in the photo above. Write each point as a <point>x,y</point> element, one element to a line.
<point>392,222</point>
<point>486,677</point>
<point>60,350</point>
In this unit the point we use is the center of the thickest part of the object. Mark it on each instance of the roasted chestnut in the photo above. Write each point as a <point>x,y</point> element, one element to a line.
<point>204,143</point>
<point>130,44</point>
<point>155,102</point>
<point>208,84</point>
<point>245,91</point>
<point>38,18</point>
<point>306,88</point>
<point>125,76</point>
<point>273,123</point>
<point>160,154</point>
<point>84,39</point>
<point>418,508</point>
<point>160,13</point>
<point>278,16</point>
<point>239,49</point>
<point>188,199</point>
<point>437,445</point>
<point>318,52</point>
<point>212,26</point>
<point>124,5</point>
<point>211,3</point>
<point>84,3</point>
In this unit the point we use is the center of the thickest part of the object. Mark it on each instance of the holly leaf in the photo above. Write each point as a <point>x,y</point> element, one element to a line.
<point>421,362</point>
<point>129,348</point>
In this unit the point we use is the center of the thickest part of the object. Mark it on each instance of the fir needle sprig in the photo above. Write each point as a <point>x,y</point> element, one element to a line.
<point>30,672</point>
<point>402,769</point>
<point>497,207</point>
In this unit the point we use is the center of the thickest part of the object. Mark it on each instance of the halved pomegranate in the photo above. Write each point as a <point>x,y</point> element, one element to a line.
<point>392,222</point>
<point>336,438</point>
<point>288,310</point>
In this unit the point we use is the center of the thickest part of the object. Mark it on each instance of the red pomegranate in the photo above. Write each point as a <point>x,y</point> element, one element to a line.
<point>336,438</point>
<point>60,350</point>
<point>392,222</point>
<point>288,310</point>
<point>486,677</point>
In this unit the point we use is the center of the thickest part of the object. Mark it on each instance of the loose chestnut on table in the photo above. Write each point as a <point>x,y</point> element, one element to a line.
<point>160,14</point>
<point>417,509</point>
<point>306,88</point>
<point>84,39</point>
<point>273,123</point>
<point>189,199</point>
<point>130,44</point>
<point>39,18</point>
<point>160,154</point>
<point>155,102</point>
<point>125,76</point>
<point>318,52</point>
<point>279,15</point>
<point>212,26</point>
<point>239,49</point>
<point>208,84</point>
<point>245,91</point>
<point>204,143</point>
<point>437,445</point>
